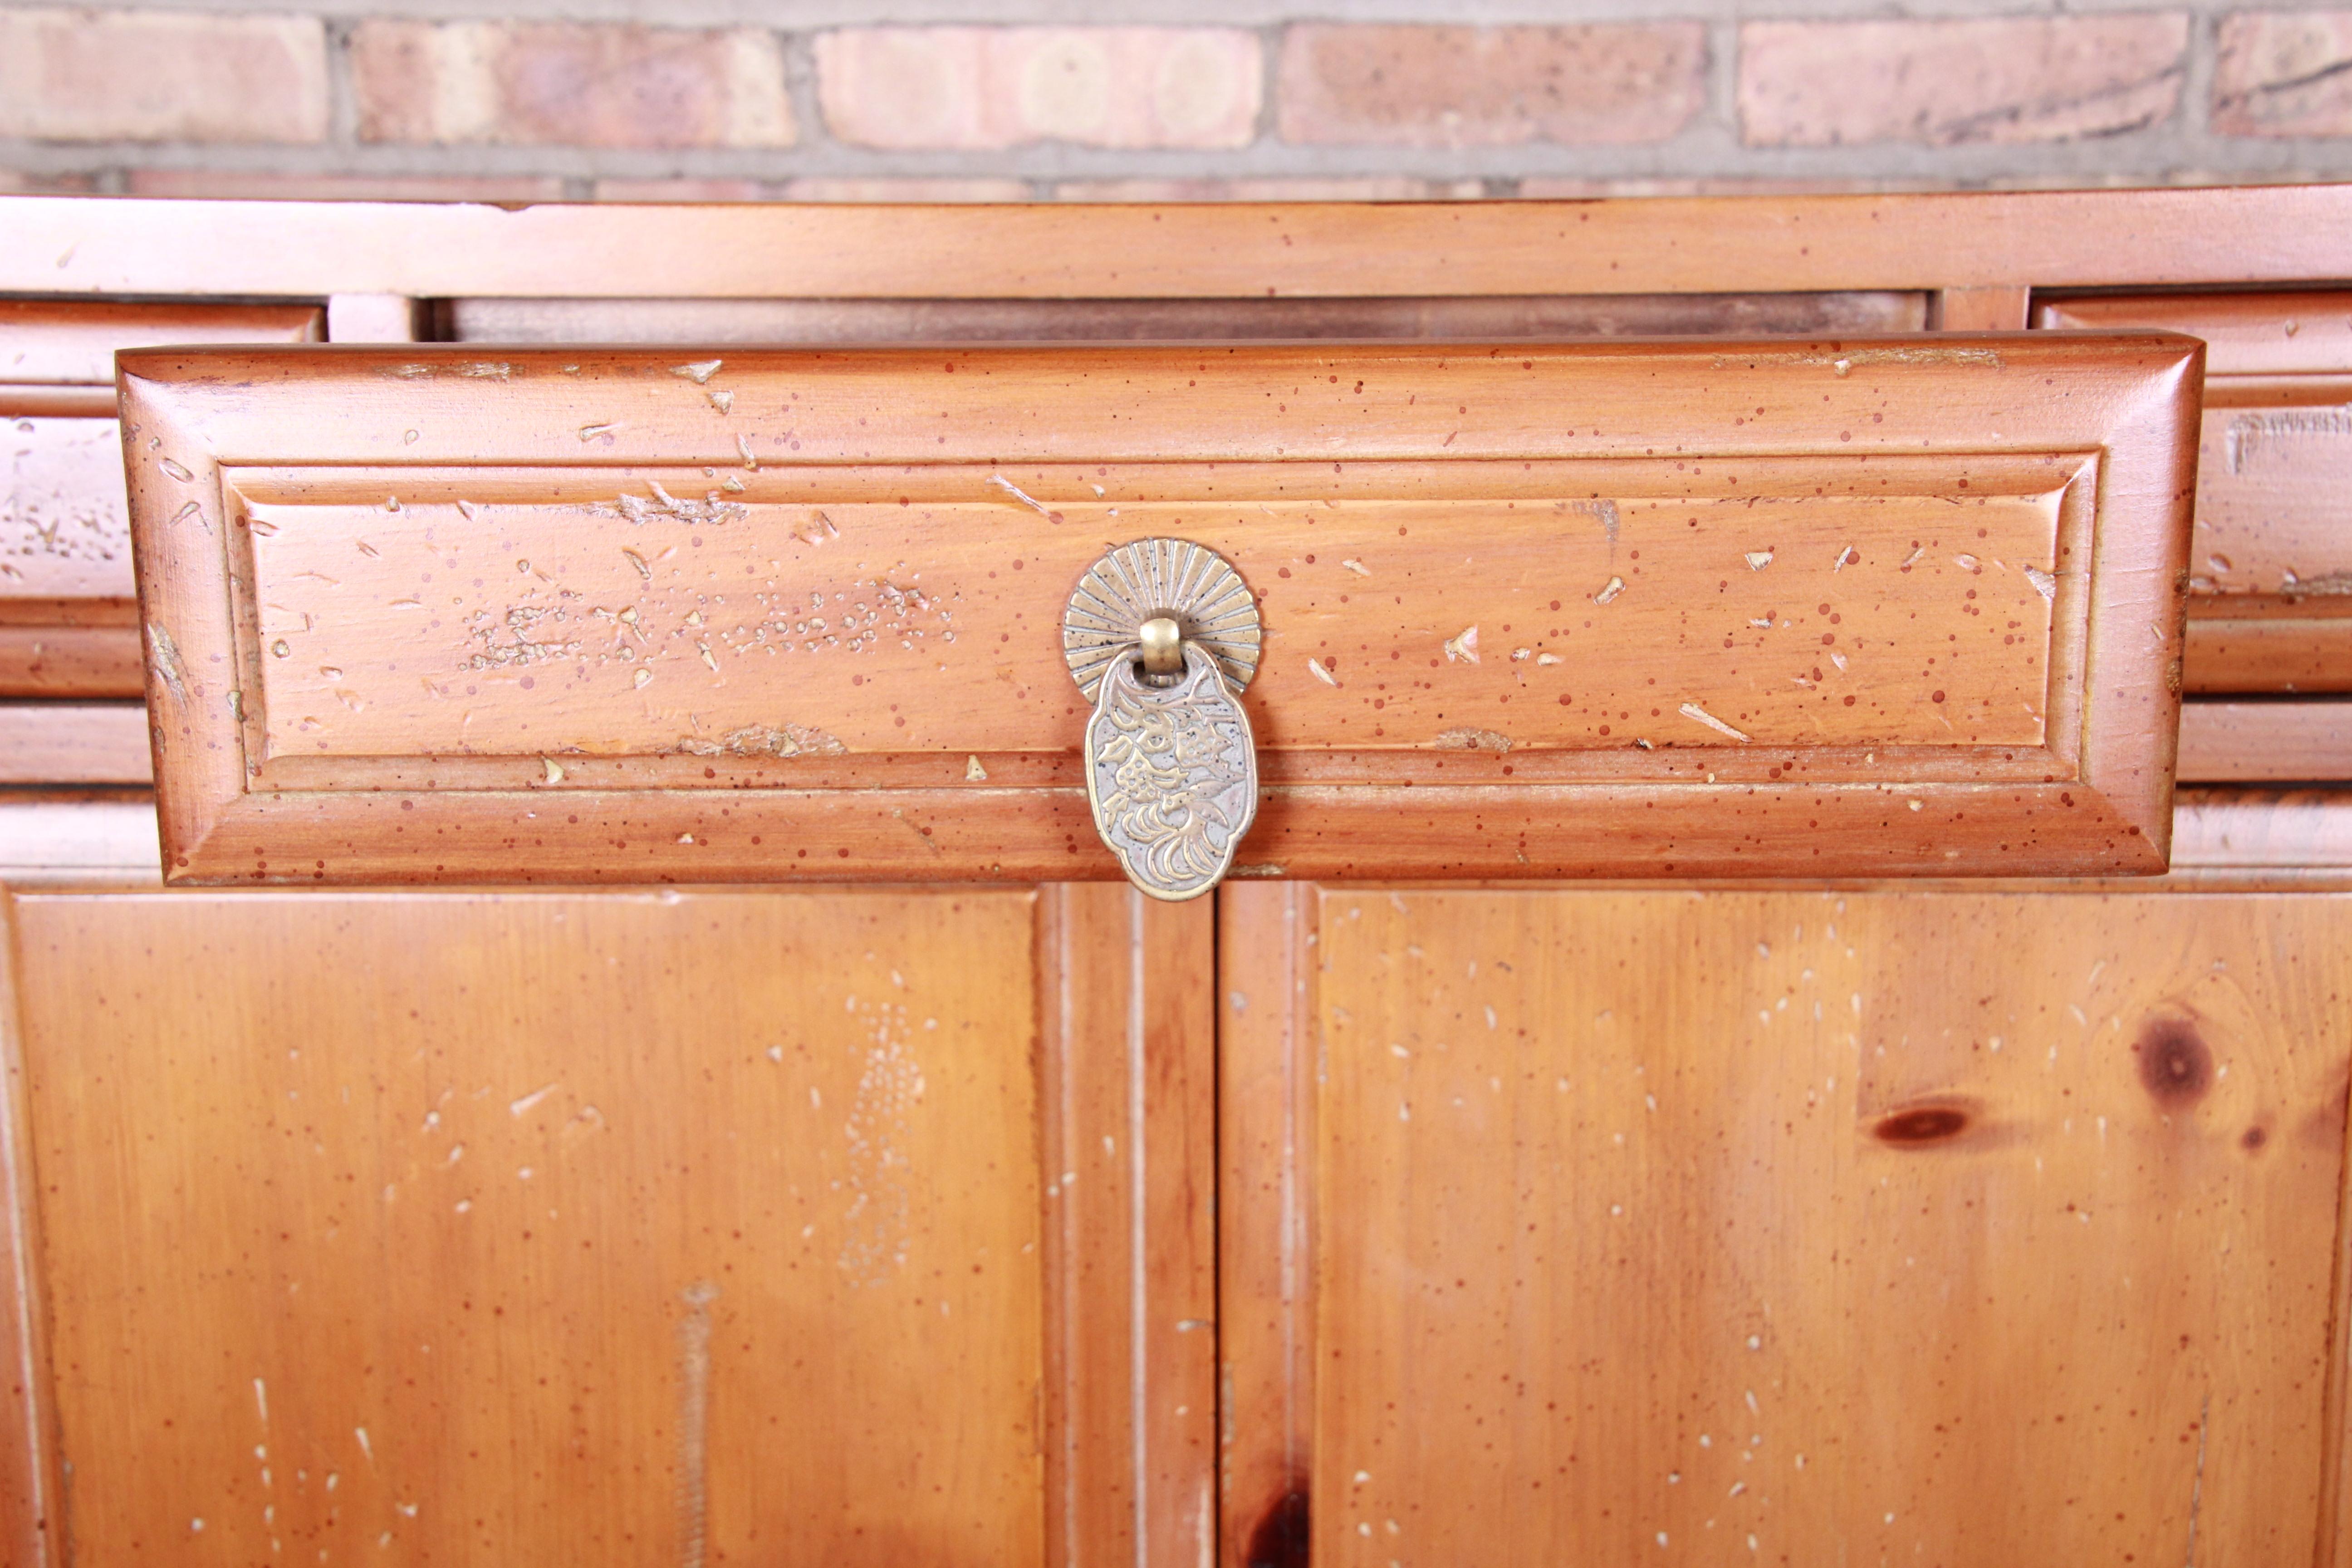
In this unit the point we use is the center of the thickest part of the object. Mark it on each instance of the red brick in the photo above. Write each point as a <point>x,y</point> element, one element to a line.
<point>246,185</point>
<point>2284,74</point>
<point>981,87</point>
<point>148,76</point>
<point>1945,82</point>
<point>1610,82</point>
<point>564,84</point>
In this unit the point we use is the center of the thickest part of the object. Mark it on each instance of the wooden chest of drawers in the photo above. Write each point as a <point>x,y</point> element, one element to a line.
<point>991,1210</point>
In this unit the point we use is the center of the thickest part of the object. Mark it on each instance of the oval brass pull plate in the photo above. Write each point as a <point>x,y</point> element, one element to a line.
<point>1171,767</point>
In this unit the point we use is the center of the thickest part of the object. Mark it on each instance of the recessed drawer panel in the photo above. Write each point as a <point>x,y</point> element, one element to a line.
<point>1863,606</point>
<point>2271,590</point>
<point>65,623</point>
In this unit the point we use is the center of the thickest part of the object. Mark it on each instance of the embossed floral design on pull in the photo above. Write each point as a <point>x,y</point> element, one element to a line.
<point>1172,774</point>
<point>1161,635</point>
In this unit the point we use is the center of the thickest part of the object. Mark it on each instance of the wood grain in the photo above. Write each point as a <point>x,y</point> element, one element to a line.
<point>1997,1227</point>
<point>2272,519</point>
<point>78,836</point>
<point>2243,235</point>
<point>1129,1152</point>
<point>466,634</point>
<point>92,653</point>
<point>63,533</point>
<point>74,743</point>
<point>72,341</point>
<point>2275,834</point>
<point>30,1479</point>
<point>2265,741</point>
<point>1484,320</point>
<point>2271,558</point>
<point>634,1226</point>
<point>2300,333</point>
<point>1999,308</point>
<point>1268,1065</point>
<point>2242,647</point>
<point>66,585</point>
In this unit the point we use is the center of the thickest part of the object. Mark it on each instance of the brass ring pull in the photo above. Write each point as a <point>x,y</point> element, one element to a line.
<point>1162,633</point>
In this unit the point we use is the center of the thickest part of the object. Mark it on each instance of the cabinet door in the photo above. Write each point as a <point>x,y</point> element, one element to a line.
<point>1975,1228</point>
<point>813,1228</point>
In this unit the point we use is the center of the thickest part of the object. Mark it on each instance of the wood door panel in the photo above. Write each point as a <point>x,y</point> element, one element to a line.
<point>495,1229</point>
<point>426,615</point>
<point>1995,1227</point>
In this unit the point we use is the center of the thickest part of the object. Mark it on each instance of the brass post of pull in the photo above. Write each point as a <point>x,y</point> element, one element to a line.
<point>1163,641</point>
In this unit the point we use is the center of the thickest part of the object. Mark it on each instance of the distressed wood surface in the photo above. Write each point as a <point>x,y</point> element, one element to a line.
<point>2303,333</point>
<point>1820,607</point>
<point>89,650</point>
<point>2271,562</point>
<point>1129,1158</point>
<point>66,625</point>
<point>2002,307</point>
<point>62,343</point>
<point>1268,1066</point>
<point>624,1227</point>
<point>1998,1228</point>
<point>74,743</point>
<point>2247,234</point>
<point>105,836</point>
<point>2265,740</point>
<point>2244,647</point>
<point>31,1495</point>
<point>2276,834</point>
<point>1479,319</point>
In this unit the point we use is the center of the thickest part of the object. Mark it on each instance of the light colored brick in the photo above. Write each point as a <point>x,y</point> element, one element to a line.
<point>2284,74</point>
<point>979,88</point>
<point>565,84</point>
<point>1555,189</point>
<point>253,185</point>
<point>681,190</point>
<point>1946,82</point>
<point>1604,83</point>
<point>884,188</point>
<point>18,183</point>
<point>905,190</point>
<point>149,76</point>
<point>1377,188</point>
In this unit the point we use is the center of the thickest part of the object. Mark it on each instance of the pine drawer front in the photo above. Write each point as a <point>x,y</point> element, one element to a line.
<point>2271,588</point>
<point>1861,606</point>
<point>65,622</point>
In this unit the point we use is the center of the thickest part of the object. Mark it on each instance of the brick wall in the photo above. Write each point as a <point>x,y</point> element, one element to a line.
<point>1016,100</point>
